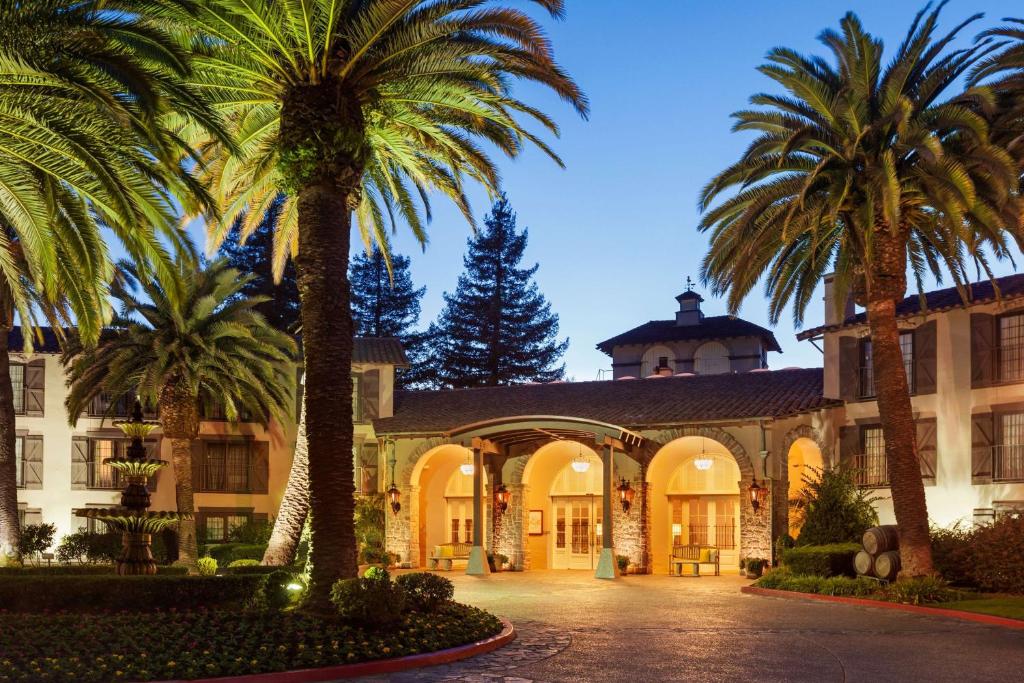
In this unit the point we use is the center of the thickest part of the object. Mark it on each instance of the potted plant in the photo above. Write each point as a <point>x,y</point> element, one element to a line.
<point>755,567</point>
<point>623,563</point>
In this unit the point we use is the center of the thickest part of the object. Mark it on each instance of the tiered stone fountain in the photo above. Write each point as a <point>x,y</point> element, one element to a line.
<point>133,517</point>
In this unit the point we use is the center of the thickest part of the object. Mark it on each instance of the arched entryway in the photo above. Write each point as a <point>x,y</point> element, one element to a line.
<point>694,485</point>
<point>443,479</point>
<point>804,460</point>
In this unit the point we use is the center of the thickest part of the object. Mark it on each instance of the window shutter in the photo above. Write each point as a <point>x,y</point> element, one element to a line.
<point>983,350</point>
<point>982,440</point>
<point>35,388</point>
<point>198,471</point>
<point>79,462</point>
<point>370,396</point>
<point>849,444</point>
<point>32,461</point>
<point>259,467</point>
<point>849,368</point>
<point>924,358</point>
<point>927,449</point>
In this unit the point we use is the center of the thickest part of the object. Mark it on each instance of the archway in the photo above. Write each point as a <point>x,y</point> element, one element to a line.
<point>561,504</point>
<point>711,358</point>
<point>694,485</point>
<point>804,459</point>
<point>445,498</point>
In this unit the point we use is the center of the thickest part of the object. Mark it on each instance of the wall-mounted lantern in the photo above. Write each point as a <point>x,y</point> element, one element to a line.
<point>626,494</point>
<point>502,495</point>
<point>394,496</point>
<point>758,494</point>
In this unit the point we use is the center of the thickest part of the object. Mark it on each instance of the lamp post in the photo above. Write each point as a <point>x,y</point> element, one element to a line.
<point>757,495</point>
<point>393,494</point>
<point>626,494</point>
<point>502,496</point>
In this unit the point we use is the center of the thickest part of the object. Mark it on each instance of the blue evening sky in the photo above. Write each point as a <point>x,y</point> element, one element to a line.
<point>614,233</point>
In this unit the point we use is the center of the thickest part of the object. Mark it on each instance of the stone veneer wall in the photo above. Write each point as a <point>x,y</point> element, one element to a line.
<point>510,528</point>
<point>631,531</point>
<point>755,527</point>
<point>398,536</point>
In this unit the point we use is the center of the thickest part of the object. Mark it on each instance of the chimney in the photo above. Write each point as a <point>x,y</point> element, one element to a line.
<point>834,316</point>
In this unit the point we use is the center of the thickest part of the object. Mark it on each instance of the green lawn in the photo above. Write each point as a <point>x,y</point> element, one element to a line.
<point>1011,606</point>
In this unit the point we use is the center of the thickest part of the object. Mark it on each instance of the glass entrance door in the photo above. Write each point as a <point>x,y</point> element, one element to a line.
<point>577,534</point>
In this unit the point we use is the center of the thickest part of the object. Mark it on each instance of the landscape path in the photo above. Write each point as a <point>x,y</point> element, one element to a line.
<point>573,627</point>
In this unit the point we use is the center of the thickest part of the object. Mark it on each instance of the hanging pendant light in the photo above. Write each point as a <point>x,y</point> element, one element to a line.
<point>703,462</point>
<point>467,467</point>
<point>394,497</point>
<point>579,463</point>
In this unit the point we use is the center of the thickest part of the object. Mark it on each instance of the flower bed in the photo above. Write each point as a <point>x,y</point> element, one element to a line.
<point>203,644</point>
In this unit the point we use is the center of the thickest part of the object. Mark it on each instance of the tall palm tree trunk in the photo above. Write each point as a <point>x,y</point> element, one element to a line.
<point>291,515</point>
<point>9,527</point>
<point>322,142</point>
<point>179,418</point>
<point>904,469</point>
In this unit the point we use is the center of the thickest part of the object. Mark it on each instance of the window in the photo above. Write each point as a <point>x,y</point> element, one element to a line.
<point>225,466</point>
<point>871,470</point>
<point>19,461</point>
<point>18,385</point>
<point>28,516</point>
<point>1010,352</point>
<point>711,358</point>
<point>367,469</point>
<point>106,405</point>
<point>216,411</point>
<point>867,371</point>
<point>100,475</point>
<point>217,525</point>
<point>1008,454</point>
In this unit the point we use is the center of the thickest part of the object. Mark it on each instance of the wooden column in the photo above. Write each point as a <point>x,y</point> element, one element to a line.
<point>477,565</point>
<point>607,567</point>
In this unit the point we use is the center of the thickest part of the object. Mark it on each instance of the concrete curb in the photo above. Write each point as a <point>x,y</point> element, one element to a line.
<point>988,619</point>
<point>379,666</point>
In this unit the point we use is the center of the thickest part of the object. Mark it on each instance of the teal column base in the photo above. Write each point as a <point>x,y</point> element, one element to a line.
<point>478,562</point>
<point>607,568</point>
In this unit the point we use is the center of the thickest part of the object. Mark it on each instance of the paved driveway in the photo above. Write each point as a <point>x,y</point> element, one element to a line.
<point>652,628</point>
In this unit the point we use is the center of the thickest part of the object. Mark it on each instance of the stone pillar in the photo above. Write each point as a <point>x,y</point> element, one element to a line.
<point>755,527</point>
<point>477,565</point>
<point>629,540</point>
<point>606,566</point>
<point>400,535</point>
<point>510,528</point>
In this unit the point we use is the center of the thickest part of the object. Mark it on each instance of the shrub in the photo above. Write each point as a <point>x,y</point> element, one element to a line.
<point>369,602</point>
<point>243,563</point>
<point>623,562</point>
<point>783,542</point>
<point>35,539</point>
<point>781,579</point>
<point>274,592</point>
<point>253,532</point>
<point>42,592</point>
<point>207,566</point>
<point>426,592</point>
<point>821,560</point>
<point>79,570</point>
<point>952,554</point>
<point>369,527</point>
<point>226,553</point>
<point>378,573</point>
<point>252,568</point>
<point>919,591</point>
<point>834,509</point>
<point>105,548</point>
<point>998,555</point>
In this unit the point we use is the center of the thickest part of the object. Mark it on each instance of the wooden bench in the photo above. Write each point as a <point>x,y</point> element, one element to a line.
<point>446,553</point>
<point>691,554</point>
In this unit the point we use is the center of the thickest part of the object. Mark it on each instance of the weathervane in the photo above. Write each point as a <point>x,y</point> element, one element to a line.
<point>689,284</point>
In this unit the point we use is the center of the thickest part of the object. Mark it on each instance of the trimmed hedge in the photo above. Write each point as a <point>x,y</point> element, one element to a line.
<point>132,593</point>
<point>82,570</point>
<point>781,579</point>
<point>260,569</point>
<point>226,553</point>
<point>821,560</point>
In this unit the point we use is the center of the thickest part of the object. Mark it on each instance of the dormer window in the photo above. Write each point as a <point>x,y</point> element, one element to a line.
<point>711,358</point>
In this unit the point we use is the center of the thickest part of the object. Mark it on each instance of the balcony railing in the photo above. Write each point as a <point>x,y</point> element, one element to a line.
<point>870,470</point>
<point>1010,362</point>
<point>1008,463</point>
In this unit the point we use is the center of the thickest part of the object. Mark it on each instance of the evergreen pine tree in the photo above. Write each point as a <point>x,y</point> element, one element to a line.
<point>256,257</point>
<point>497,328</point>
<point>386,307</point>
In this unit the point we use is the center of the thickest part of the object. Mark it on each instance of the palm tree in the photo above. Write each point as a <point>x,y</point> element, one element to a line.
<point>1002,72</point>
<point>204,347</point>
<point>361,107</point>
<point>82,86</point>
<point>866,168</point>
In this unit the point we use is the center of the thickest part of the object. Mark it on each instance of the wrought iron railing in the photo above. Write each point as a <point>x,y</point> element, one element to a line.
<point>870,470</point>
<point>1008,462</point>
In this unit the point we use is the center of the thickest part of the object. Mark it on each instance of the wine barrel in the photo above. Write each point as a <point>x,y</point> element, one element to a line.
<point>864,564</point>
<point>887,565</point>
<point>879,539</point>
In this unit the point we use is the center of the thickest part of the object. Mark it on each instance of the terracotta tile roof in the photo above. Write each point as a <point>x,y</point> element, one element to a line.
<point>48,344</point>
<point>711,327</point>
<point>625,403</point>
<point>379,350</point>
<point>1010,287</point>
